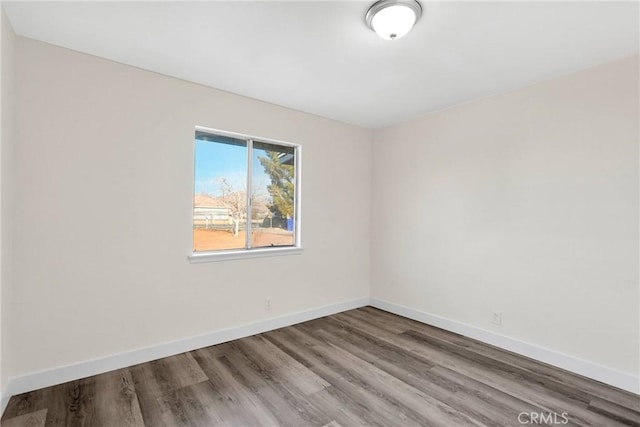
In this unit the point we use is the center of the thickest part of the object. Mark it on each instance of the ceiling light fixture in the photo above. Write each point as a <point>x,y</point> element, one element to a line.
<point>392,19</point>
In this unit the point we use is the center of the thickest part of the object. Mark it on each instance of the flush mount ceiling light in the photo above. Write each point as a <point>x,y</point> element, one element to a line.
<point>392,19</point>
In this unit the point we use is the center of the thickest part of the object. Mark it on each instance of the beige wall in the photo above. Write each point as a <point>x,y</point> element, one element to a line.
<point>101,145</point>
<point>6,205</point>
<point>524,203</point>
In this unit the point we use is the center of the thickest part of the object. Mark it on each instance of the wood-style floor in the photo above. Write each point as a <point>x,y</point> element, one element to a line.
<point>362,367</point>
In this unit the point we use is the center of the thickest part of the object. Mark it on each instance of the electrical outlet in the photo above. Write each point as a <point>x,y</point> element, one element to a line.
<point>496,319</point>
<point>267,304</point>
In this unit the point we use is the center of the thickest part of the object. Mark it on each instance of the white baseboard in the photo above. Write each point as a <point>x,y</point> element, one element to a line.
<point>62,374</point>
<point>578,366</point>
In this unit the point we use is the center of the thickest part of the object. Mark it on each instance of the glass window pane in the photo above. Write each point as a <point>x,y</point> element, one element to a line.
<point>273,195</point>
<point>220,195</point>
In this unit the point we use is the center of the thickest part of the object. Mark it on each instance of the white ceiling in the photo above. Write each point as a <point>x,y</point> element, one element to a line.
<point>320,57</point>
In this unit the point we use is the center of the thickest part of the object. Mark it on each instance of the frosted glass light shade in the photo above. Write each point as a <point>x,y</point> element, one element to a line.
<point>393,19</point>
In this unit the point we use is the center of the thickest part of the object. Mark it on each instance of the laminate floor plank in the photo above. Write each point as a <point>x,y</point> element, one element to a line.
<point>168,409</point>
<point>381,412</point>
<point>343,401</point>
<point>34,419</point>
<point>566,391</point>
<point>72,404</point>
<point>203,404</point>
<point>287,404</point>
<point>27,403</point>
<point>547,372</point>
<point>170,373</point>
<point>617,412</point>
<point>116,401</point>
<point>152,405</point>
<point>285,368</point>
<point>388,324</point>
<point>485,404</point>
<point>532,393</point>
<point>339,406</point>
<point>415,404</point>
<point>514,404</point>
<point>363,367</point>
<point>155,381</point>
<point>523,388</point>
<point>223,380</point>
<point>421,406</point>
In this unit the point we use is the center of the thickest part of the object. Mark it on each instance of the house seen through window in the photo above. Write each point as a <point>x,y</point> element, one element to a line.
<point>244,193</point>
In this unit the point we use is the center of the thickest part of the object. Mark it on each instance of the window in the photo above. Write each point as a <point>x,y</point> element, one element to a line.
<point>245,200</point>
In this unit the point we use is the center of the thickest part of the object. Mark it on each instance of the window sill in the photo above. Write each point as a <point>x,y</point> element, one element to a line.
<point>201,257</point>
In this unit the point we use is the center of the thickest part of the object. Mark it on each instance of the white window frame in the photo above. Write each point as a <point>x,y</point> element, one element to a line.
<point>248,252</point>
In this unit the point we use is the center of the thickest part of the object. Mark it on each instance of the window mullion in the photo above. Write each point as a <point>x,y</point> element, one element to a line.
<point>249,185</point>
